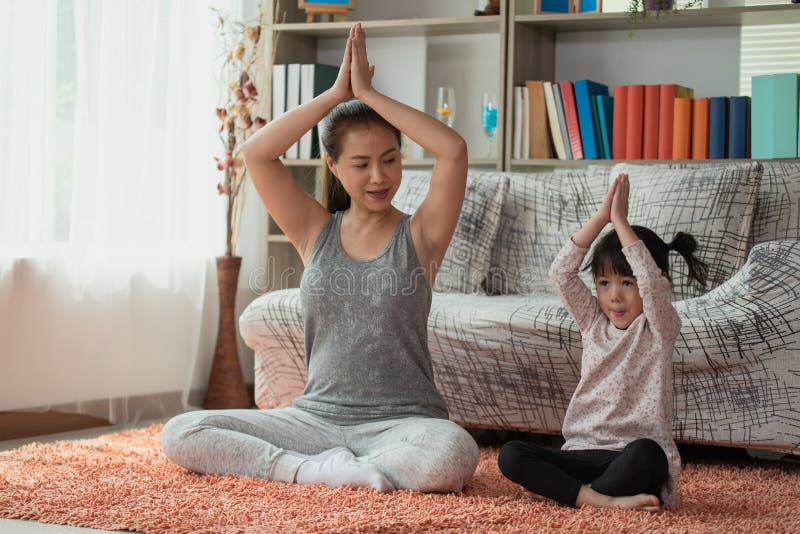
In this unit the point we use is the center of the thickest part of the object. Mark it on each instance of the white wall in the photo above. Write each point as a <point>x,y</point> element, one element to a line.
<point>381,9</point>
<point>410,69</point>
<point>706,59</point>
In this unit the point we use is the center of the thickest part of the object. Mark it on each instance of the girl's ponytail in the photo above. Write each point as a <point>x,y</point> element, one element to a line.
<point>686,245</point>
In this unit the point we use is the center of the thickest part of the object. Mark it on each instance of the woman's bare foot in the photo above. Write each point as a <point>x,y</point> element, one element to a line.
<point>589,497</point>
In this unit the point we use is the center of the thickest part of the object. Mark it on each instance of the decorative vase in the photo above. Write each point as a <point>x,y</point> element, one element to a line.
<point>226,387</point>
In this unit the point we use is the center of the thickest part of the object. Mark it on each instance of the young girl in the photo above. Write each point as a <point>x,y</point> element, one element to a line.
<point>619,450</point>
<point>370,414</point>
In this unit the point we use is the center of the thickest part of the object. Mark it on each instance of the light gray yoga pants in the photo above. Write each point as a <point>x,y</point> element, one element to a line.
<point>413,453</point>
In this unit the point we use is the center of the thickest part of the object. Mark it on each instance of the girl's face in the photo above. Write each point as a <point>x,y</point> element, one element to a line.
<point>618,298</point>
<point>369,166</point>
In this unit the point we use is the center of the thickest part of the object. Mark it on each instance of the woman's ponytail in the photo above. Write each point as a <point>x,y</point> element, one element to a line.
<point>334,196</point>
<point>686,245</point>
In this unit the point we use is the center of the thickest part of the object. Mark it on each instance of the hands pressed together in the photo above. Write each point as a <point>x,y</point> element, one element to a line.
<point>355,74</point>
<point>614,208</point>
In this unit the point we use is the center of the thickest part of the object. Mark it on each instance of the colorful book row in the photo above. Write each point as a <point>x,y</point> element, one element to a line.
<point>580,120</point>
<point>665,121</point>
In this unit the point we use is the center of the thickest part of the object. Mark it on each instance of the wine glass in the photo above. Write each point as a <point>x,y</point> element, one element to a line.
<point>489,117</point>
<point>446,105</point>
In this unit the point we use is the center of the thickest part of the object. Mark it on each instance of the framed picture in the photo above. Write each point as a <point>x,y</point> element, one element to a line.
<point>326,7</point>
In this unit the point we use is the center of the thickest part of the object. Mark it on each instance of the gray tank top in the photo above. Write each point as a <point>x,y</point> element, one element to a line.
<point>366,331</point>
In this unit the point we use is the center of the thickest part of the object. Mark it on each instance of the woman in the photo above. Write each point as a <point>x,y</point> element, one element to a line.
<point>370,415</point>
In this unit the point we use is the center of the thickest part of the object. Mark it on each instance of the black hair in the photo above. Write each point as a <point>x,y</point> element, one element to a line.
<point>608,257</point>
<point>340,119</point>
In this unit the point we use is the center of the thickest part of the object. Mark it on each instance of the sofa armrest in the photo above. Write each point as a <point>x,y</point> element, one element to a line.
<point>751,317</point>
<point>272,325</point>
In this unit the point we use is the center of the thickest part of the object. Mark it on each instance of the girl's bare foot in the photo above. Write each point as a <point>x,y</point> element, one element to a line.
<point>589,497</point>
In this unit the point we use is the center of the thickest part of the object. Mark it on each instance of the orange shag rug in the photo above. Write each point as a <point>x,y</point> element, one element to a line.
<point>123,481</point>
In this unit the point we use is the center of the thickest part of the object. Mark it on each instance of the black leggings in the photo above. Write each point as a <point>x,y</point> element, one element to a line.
<point>641,467</point>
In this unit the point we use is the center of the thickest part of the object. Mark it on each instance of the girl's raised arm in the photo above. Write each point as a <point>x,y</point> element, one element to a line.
<point>654,286</point>
<point>578,298</point>
<point>437,215</point>
<point>296,212</point>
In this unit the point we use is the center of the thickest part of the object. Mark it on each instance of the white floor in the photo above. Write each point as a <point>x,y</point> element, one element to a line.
<point>14,526</point>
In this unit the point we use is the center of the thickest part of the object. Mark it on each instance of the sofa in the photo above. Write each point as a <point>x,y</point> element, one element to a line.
<point>506,354</point>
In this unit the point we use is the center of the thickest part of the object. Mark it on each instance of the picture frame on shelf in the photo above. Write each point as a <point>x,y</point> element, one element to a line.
<point>326,7</point>
<point>588,6</point>
<point>541,7</point>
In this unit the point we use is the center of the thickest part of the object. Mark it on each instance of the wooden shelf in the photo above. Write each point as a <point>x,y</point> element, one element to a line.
<point>689,18</point>
<point>397,28</point>
<point>611,162</point>
<point>278,238</point>
<point>428,162</point>
<point>302,162</point>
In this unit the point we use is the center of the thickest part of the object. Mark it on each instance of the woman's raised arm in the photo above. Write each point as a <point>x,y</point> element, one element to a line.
<point>437,215</point>
<point>296,212</point>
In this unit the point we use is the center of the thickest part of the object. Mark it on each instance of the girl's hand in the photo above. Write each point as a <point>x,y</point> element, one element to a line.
<point>361,71</point>
<point>619,205</point>
<point>341,87</point>
<point>605,208</point>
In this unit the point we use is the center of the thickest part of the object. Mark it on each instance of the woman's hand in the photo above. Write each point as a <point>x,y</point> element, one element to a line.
<point>619,205</point>
<point>361,71</point>
<point>341,88</point>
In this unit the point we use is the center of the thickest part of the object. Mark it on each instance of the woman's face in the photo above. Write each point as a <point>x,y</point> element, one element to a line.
<point>369,166</point>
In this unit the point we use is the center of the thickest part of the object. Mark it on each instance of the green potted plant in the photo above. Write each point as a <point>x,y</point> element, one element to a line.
<point>647,10</point>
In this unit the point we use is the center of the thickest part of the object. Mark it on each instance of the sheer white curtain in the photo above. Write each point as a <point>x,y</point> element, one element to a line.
<point>109,220</point>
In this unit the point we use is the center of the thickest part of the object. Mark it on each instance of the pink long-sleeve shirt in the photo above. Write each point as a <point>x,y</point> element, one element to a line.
<point>625,389</point>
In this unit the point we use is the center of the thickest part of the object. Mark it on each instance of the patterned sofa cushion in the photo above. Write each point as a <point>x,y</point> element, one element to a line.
<point>506,361</point>
<point>777,213</point>
<point>714,203</point>
<point>736,363</point>
<point>466,261</point>
<point>541,211</point>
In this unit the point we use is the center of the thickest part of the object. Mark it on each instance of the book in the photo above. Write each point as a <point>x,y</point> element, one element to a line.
<point>667,94</point>
<point>314,80</point>
<point>571,115</point>
<point>635,122</point>
<point>700,128</point>
<point>605,112</point>
<point>292,101</point>
<point>555,6</point>
<point>773,116</point>
<point>526,126</point>
<point>739,127</point>
<point>618,143</point>
<point>584,91</point>
<point>650,131</point>
<point>552,119</point>
<point>539,134</point>
<point>682,128</point>
<point>562,120</point>
<point>596,125</point>
<point>516,147</point>
<point>717,127</point>
<point>278,90</point>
